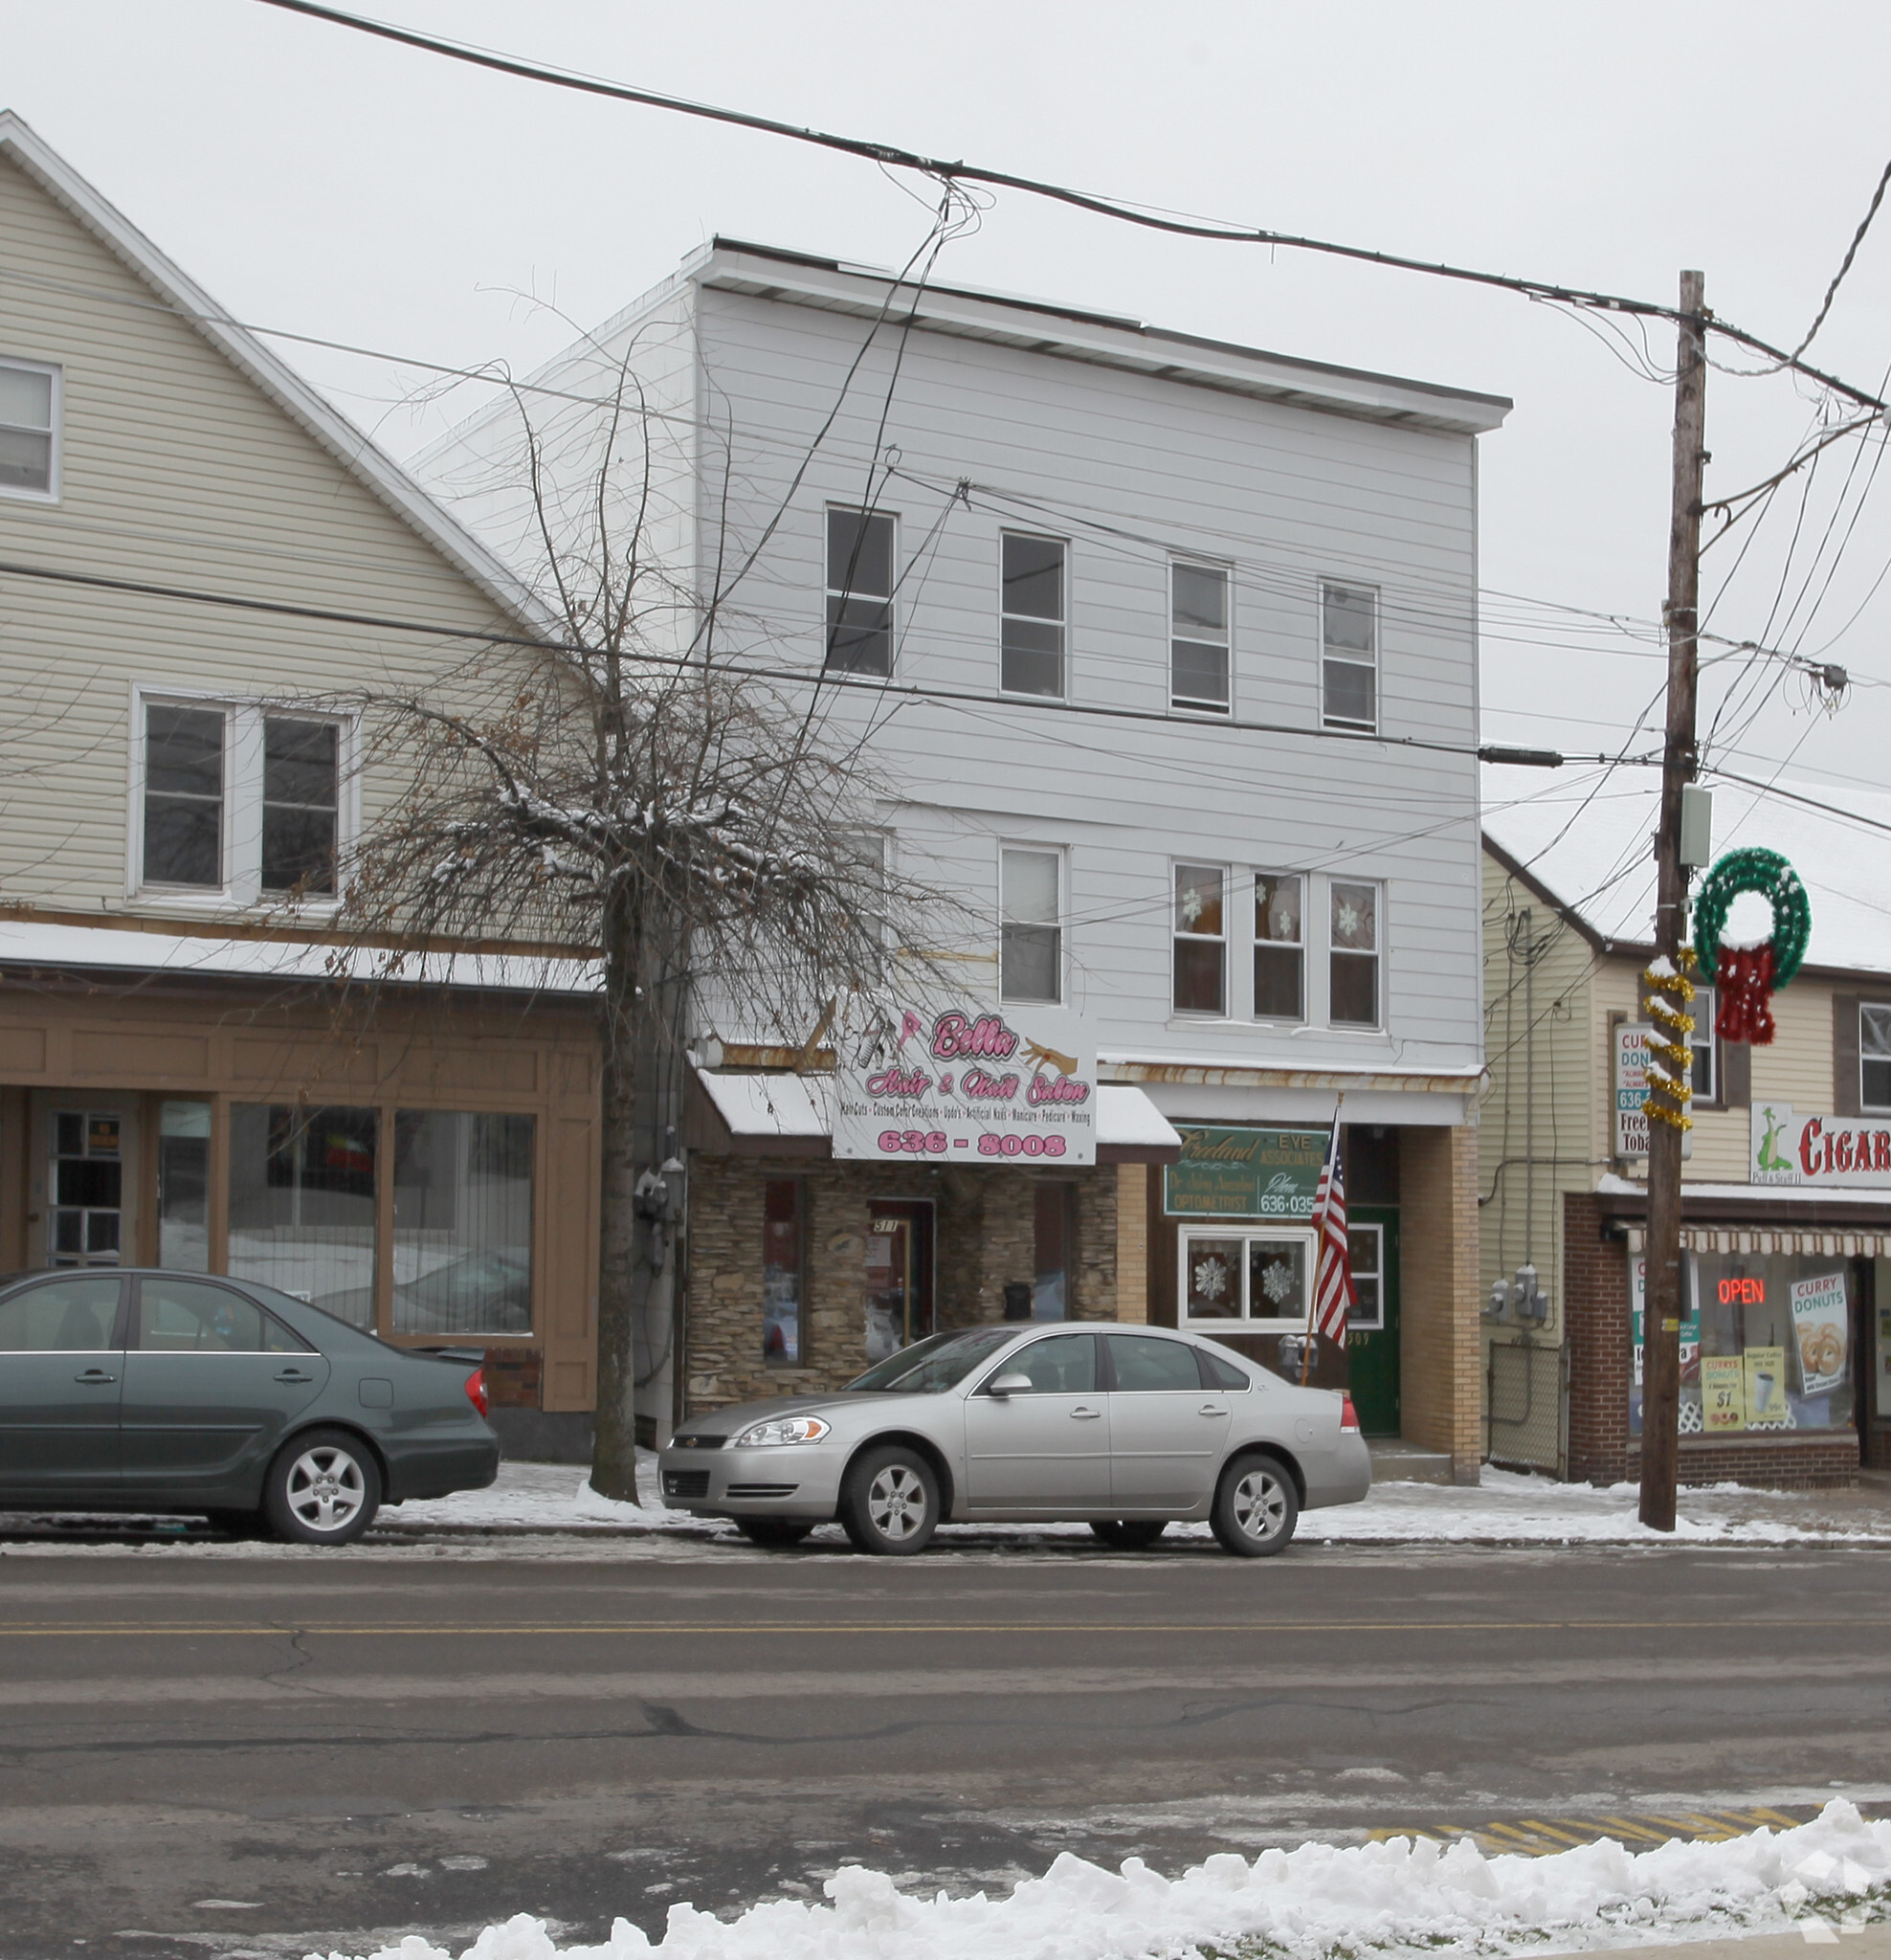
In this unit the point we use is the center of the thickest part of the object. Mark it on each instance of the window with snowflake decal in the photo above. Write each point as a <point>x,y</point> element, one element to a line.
<point>1213,1282</point>
<point>1353,1001</point>
<point>1201,967</point>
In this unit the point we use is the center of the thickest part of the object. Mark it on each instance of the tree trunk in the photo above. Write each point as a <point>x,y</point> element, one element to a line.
<point>613,1449</point>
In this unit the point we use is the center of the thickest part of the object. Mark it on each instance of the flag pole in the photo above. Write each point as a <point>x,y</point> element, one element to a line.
<point>1312,1302</point>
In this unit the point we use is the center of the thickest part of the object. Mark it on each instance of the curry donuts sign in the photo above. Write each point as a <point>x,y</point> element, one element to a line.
<point>969,1085</point>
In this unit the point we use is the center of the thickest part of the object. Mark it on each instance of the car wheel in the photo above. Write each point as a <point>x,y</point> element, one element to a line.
<point>324,1488</point>
<point>1129,1534</point>
<point>1256,1507</point>
<point>778,1532</point>
<point>890,1501</point>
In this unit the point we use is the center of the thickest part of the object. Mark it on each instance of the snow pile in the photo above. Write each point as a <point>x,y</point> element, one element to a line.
<point>1312,1902</point>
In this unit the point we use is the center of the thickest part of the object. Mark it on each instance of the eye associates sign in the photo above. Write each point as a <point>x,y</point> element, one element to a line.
<point>967,1085</point>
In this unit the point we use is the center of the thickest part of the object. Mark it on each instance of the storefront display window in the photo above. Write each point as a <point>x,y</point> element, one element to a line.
<point>183,1176</point>
<point>302,1203</point>
<point>782,1269</point>
<point>462,1223</point>
<point>1257,1276</point>
<point>1764,1343</point>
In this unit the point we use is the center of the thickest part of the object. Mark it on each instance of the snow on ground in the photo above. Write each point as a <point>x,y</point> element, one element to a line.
<point>1405,1896</point>
<point>1506,1508</point>
<point>549,1510</point>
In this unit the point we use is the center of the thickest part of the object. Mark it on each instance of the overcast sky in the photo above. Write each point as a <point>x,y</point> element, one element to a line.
<point>319,180</point>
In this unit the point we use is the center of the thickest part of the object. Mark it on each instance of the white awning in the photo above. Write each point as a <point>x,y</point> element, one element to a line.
<point>780,1106</point>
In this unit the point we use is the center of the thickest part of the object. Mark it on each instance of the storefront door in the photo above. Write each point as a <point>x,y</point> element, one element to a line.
<point>899,1291</point>
<point>85,1184</point>
<point>1373,1359</point>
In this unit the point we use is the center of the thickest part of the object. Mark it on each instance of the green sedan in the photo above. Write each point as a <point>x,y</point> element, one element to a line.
<point>129,1390</point>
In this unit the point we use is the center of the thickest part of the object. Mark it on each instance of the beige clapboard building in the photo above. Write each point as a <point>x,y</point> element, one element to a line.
<point>1786,1336</point>
<point>176,1081</point>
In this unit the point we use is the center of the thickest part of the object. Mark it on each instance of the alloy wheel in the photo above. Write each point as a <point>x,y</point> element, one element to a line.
<point>896,1503</point>
<point>325,1488</point>
<point>1260,1505</point>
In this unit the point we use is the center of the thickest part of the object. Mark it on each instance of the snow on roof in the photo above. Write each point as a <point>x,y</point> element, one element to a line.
<point>1583,836</point>
<point>59,948</point>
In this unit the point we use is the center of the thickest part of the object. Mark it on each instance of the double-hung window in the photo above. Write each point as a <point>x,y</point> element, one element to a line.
<point>1030,924</point>
<point>860,592</point>
<point>1353,999</point>
<point>1030,626</point>
<point>238,800</point>
<point>1705,1075</point>
<point>1279,949</point>
<point>1349,656</point>
<point>28,430</point>
<point>1201,940</point>
<point>1198,637</point>
<point>1874,1056</point>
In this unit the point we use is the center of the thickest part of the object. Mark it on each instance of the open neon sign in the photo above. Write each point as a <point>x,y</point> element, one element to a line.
<point>1743,1293</point>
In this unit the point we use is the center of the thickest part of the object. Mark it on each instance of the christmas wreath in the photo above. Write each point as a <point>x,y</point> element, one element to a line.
<point>1747,975</point>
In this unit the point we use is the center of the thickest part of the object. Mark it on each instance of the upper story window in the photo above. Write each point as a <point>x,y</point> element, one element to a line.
<point>860,592</point>
<point>1350,662</point>
<point>28,430</point>
<point>1279,949</point>
<point>1201,940</point>
<point>1874,1056</point>
<point>1198,638</point>
<point>239,801</point>
<point>1354,996</point>
<point>1030,924</point>
<point>1705,1075</point>
<point>1030,626</point>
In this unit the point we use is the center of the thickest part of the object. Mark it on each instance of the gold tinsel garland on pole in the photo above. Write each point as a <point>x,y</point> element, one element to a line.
<point>1670,992</point>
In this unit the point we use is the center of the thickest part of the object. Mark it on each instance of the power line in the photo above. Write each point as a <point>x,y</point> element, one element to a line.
<point>822,677</point>
<point>959,171</point>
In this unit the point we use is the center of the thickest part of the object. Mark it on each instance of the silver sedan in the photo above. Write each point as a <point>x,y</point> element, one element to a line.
<point>1124,1429</point>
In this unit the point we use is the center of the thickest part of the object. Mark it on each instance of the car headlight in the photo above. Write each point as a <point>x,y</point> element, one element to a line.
<point>782,1429</point>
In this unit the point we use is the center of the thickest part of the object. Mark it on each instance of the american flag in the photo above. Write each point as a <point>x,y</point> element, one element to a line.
<point>1333,1290</point>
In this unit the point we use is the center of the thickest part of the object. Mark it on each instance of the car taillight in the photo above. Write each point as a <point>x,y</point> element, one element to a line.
<point>1349,1417</point>
<point>476,1390</point>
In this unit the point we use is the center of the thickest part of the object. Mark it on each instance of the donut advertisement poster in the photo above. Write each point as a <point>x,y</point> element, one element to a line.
<point>1820,1321</point>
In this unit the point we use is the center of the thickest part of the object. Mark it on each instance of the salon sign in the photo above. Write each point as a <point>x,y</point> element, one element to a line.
<point>1835,1151</point>
<point>966,1084</point>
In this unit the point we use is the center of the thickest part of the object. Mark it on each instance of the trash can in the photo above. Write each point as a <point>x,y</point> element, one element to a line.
<point>1017,1300</point>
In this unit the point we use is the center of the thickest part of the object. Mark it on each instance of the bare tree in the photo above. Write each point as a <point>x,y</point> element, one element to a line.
<point>633,788</point>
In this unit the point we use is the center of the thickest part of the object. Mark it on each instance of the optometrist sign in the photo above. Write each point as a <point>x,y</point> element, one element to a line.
<point>966,1084</point>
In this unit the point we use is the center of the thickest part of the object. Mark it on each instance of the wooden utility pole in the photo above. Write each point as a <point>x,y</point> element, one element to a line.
<point>1661,1304</point>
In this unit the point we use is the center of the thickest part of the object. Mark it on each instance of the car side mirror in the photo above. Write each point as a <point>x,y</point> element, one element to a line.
<point>1012,1383</point>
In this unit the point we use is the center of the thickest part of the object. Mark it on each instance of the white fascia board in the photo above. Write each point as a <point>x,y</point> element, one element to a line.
<point>311,410</point>
<point>1110,340</point>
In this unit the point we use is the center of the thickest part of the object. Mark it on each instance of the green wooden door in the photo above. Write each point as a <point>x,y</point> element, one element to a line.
<point>1372,1337</point>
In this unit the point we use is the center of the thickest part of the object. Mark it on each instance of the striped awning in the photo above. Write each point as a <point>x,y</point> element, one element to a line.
<point>1766,1239</point>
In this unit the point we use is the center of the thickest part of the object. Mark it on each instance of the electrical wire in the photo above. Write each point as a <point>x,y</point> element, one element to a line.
<point>1149,217</point>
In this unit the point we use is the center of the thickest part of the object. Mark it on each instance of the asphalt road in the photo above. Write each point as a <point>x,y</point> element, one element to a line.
<point>269,1756</point>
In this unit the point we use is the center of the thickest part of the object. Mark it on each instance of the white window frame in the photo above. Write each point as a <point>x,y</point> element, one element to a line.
<point>1178,933</point>
<point>1301,946</point>
<point>1883,1007</point>
<point>1190,1231</point>
<point>1061,622</point>
<point>1060,925</point>
<point>58,374</point>
<point>1335,950</point>
<point>1356,1321</point>
<point>890,598</point>
<point>1346,656</point>
<point>1182,704</point>
<point>1703,1039</point>
<point>243,718</point>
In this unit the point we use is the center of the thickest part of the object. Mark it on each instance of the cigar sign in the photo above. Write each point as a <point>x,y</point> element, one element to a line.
<point>969,1085</point>
<point>1830,1151</point>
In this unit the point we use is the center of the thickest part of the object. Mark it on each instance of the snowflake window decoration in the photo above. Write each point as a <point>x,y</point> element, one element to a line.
<point>1278,1281</point>
<point>1348,920</point>
<point>1212,1278</point>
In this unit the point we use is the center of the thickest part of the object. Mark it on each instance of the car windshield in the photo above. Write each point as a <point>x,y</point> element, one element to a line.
<point>940,1361</point>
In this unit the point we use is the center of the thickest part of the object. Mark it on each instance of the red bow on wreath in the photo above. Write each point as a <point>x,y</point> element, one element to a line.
<point>1744,977</point>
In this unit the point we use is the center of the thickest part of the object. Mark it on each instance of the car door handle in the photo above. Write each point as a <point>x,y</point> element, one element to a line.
<point>1085,1415</point>
<point>1211,1408</point>
<point>94,1374</point>
<point>294,1374</point>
